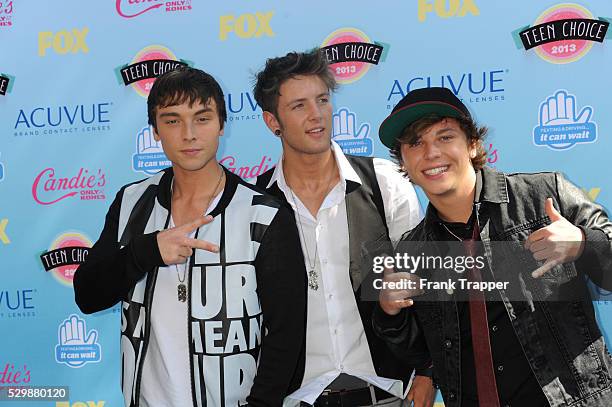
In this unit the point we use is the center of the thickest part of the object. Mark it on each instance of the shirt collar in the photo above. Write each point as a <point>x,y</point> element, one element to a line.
<point>347,173</point>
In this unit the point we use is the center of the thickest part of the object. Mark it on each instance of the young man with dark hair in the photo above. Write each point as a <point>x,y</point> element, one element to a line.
<point>533,343</point>
<point>339,202</point>
<point>212,306</point>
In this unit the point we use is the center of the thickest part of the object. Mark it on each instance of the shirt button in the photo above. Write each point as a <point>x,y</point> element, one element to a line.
<point>330,296</point>
<point>452,396</point>
<point>324,261</point>
<point>448,344</point>
<point>335,332</point>
<point>500,368</point>
<point>494,328</point>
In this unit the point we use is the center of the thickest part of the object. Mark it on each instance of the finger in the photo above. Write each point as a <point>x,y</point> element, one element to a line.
<point>193,225</point>
<point>63,337</point>
<point>336,124</point>
<point>536,236</point>
<point>552,213</point>
<point>552,107</point>
<point>569,108</point>
<point>91,339</point>
<point>185,252</point>
<point>344,121</point>
<point>543,254</point>
<point>404,303</point>
<point>81,329</point>
<point>585,115</point>
<point>388,271</point>
<point>545,268</point>
<point>539,245</point>
<point>363,131</point>
<point>350,124</point>
<point>202,244</point>
<point>410,397</point>
<point>544,116</point>
<point>560,96</point>
<point>74,326</point>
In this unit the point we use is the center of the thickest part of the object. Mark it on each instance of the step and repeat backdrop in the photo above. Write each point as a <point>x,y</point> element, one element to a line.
<point>74,77</point>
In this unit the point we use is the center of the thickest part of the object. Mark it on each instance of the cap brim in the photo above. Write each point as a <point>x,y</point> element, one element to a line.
<point>391,128</point>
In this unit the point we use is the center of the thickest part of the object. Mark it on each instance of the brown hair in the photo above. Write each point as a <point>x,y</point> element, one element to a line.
<point>278,70</point>
<point>475,136</point>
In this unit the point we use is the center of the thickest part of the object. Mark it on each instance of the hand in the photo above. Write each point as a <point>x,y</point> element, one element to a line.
<point>175,245</point>
<point>422,393</point>
<point>558,243</point>
<point>72,332</point>
<point>561,109</point>
<point>392,300</point>
<point>146,141</point>
<point>344,126</point>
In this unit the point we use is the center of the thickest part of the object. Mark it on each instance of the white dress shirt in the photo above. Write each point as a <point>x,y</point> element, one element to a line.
<point>166,380</point>
<point>335,338</point>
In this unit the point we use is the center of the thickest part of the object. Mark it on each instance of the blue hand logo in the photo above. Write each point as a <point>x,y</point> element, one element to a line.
<point>344,125</point>
<point>149,157</point>
<point>349,138</point>
<point>561,127</point>
<point>77,346</point>
<point>146,141</point>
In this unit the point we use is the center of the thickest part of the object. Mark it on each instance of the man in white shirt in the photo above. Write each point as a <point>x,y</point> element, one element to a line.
<point>340,204</point>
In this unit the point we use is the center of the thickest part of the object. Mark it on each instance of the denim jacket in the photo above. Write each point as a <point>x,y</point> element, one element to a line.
<point>553,316</point>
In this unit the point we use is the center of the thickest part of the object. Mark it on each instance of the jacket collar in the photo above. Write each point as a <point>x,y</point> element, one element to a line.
<point>348,176</point>
<point>164,193</point>
<point>491,187</point>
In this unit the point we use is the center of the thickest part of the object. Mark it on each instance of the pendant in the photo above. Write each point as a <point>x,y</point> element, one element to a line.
<point>182,292</point>
<point>313,280</point>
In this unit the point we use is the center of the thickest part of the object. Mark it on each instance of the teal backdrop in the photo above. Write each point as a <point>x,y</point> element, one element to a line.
<point>74,76</point>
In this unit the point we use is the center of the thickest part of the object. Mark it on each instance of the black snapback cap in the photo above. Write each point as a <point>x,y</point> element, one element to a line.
<point>416,104</point>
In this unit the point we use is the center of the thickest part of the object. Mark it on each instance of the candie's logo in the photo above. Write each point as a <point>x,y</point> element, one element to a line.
<point>6,13</point>
<point>64,256</point>
<point>149,157</point>
<point>563,33</point>
<point>247,171</point>
<point>562,126</point>
<point>350,53</point>
<point>447,8</point>
<point>49,189</point>
<point>12,374</point>
<point>148,64</point>
<point>135,8</point>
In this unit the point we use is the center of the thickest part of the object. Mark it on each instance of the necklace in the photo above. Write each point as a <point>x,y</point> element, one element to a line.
<point>313,276</point>
<point>449,231</point>
<point>181,287</point>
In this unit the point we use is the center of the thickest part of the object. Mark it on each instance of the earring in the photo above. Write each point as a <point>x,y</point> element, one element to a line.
<point>277,132</point>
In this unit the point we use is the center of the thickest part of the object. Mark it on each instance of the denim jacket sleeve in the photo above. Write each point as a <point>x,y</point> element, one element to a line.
<point>596,258</point>
<point>404,336</point>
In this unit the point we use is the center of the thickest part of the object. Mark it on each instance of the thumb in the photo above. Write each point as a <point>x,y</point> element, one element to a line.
<point>552,213</point>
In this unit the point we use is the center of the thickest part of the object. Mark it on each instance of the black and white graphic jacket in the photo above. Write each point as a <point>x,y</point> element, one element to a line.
<point>256,284</point>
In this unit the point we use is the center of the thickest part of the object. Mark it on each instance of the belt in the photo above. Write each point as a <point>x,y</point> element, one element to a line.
<point>351,398</point>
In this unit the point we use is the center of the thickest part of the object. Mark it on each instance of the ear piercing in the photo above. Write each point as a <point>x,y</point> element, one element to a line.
<point>277,132</point>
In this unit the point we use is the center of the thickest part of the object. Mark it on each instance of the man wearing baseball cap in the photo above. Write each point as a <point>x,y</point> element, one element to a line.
<point>534,342</point>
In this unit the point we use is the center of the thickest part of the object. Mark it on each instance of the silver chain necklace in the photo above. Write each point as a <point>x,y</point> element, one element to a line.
<point>313,277</point>
<point>449,231</point>
<point>181,288</point>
